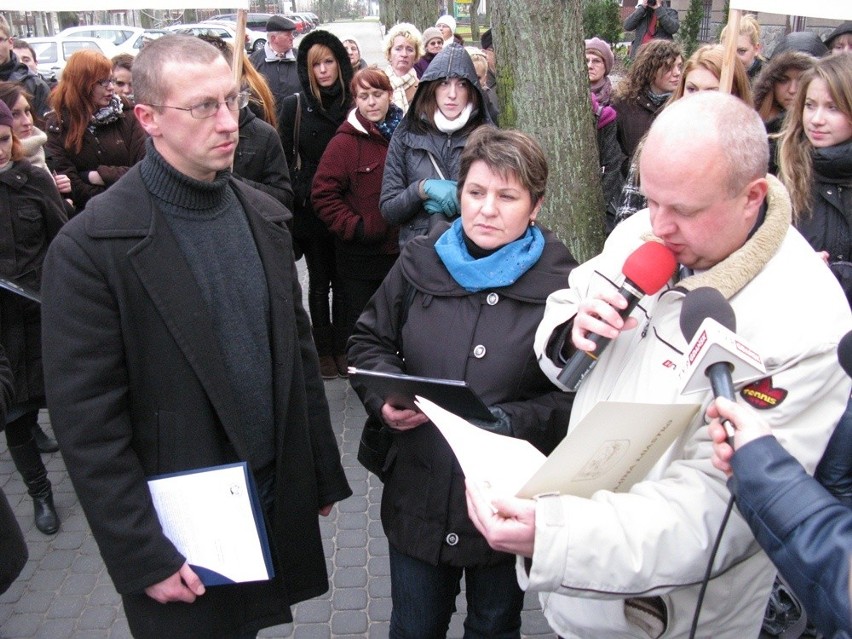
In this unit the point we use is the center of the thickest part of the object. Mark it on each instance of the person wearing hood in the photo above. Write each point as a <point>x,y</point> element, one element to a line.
<point>419,185</point>
<point>325,73</point>
<point>463,303</point>
<point>804,41</point>
<point>433,42</point>
<point>840,40</point>
<point>346,189</point>
<point>92,135</point>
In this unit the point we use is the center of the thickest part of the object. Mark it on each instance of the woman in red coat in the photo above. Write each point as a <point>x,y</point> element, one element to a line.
<point>346,191</point>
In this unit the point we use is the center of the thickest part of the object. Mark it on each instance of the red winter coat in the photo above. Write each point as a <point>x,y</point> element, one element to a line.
<point>346,190</point>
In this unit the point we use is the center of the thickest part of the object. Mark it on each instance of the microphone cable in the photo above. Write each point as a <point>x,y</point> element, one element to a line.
<point>709,570</point>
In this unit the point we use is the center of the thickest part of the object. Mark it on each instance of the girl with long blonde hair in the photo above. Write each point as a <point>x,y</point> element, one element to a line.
<point>815,157</point>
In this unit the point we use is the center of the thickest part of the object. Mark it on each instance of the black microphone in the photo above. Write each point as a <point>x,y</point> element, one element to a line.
<point>844,353</point>
<point>646,270</point>
<point>698,305</point>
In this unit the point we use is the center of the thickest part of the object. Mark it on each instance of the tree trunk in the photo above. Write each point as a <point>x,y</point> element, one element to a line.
<point>544,91</point>
<point>474,22</point>
<point>420,13</point>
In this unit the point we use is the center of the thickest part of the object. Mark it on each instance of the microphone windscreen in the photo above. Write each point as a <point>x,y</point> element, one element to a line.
<point>701,303</point>
<point>649,267</point>
<point>844,353</point>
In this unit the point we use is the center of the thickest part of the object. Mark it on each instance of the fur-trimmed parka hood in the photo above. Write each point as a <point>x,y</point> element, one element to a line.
<point>344,66</point>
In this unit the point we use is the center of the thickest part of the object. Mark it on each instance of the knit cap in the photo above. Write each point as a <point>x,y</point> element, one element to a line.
<point>6,118</point>
<point>432,33</point>
<point>448,20</point>
<point>596,45</point>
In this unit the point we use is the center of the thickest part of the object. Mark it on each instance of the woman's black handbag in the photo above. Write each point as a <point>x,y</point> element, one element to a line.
<point>376,441</point>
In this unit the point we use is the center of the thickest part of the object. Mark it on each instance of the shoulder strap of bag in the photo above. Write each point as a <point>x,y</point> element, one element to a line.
<point>297,159</point>
<point>407,301</point>
<point>435,165</point>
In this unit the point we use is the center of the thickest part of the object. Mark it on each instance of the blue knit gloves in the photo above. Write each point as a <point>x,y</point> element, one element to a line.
<point>442,197</point>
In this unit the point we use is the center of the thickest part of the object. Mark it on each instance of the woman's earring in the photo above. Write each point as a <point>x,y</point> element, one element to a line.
<point>532,222</point>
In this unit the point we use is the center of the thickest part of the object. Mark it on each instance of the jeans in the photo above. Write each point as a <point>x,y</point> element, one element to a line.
<point>424,597</point>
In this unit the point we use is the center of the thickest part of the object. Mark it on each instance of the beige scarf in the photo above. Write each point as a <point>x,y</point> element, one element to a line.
<point>33,147</point>
<point>400,84</point>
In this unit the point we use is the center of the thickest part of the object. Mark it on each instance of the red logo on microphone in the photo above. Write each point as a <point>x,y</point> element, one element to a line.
<point>762,395</point>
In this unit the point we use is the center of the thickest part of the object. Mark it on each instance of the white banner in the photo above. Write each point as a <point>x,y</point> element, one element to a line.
<point>111,5</point>
<point>831,9</point>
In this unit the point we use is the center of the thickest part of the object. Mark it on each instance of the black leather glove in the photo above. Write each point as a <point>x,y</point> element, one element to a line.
<point>501,426</point>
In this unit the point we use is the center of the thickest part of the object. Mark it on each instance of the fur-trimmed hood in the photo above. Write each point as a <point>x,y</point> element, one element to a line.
<point>344,66</point>
<point>740,267</point>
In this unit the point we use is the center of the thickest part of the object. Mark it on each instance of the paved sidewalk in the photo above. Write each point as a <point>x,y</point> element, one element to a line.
<point>65,591</point>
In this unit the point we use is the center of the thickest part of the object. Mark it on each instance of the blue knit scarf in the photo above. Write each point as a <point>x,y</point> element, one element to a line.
<point>502,268</point>
<point>393,117</point>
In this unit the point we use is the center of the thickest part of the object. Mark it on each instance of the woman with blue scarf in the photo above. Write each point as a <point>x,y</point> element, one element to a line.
<point>463,303</point>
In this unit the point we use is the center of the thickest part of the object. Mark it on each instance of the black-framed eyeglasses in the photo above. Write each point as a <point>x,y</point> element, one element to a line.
<point>105,83</point>
<point>209,108</point>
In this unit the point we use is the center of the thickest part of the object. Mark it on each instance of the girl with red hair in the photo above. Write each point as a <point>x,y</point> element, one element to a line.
<point>92,135</point>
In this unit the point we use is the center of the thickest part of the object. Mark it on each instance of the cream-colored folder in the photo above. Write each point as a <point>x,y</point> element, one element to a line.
<point>612,448</point>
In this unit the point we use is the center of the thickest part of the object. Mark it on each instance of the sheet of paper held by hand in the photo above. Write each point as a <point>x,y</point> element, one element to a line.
<point>612,448</point>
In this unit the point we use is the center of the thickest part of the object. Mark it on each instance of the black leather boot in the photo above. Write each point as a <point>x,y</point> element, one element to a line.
<point>28,462</point>
<point>44,442</point>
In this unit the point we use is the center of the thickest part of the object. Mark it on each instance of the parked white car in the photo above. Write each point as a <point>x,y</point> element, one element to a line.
<point>53,52</point>
<point>228,34</point>
<point>254,39</point>
<point>125,39</point>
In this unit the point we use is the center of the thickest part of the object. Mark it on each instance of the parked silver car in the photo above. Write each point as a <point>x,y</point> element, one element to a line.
<point>53,52</point>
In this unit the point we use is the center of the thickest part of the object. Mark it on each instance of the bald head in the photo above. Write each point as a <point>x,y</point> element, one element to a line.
<point>694,125</point>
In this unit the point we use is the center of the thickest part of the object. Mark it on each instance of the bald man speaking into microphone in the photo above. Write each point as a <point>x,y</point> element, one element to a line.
<point>631,564</point>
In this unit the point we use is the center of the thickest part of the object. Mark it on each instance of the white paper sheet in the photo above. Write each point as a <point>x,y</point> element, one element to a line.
<point>612,448</point>
<point>207,514</point>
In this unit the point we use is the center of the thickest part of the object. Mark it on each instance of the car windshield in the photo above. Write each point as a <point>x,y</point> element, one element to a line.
<point>72,46</point>
<point>45,51</point>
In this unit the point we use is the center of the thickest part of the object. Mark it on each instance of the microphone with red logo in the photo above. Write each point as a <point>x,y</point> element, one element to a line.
<point>715,353</point>
<point>646,270</point>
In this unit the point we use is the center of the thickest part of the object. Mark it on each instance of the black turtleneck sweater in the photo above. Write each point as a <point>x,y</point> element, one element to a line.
<point>212,231</point>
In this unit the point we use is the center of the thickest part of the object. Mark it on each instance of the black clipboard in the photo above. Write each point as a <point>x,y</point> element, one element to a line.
<point>398,390</point>
<point>20,289</point>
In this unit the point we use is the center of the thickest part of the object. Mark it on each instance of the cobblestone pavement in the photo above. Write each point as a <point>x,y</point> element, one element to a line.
<point>65,591</point>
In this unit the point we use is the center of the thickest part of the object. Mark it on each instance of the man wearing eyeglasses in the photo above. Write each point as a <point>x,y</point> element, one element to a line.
<point>177,340</point>
<point>13,70</point>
